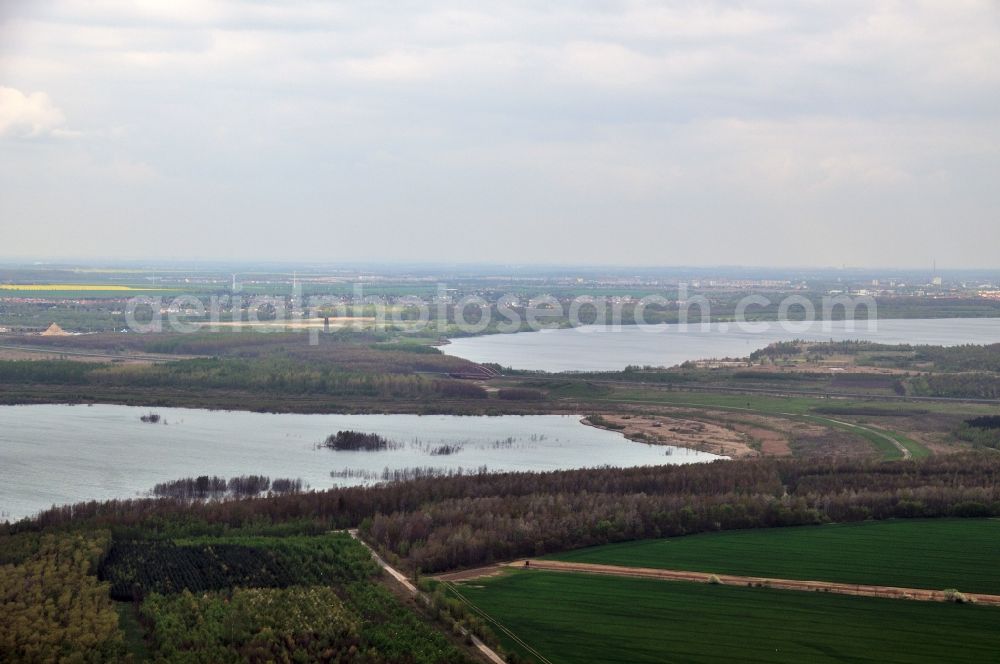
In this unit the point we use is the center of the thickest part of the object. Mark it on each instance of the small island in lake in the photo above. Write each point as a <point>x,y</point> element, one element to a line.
<point>358,441</point>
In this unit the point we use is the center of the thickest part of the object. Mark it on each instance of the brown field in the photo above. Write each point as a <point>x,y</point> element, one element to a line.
<point>771,442</point>
<point>20,354</point>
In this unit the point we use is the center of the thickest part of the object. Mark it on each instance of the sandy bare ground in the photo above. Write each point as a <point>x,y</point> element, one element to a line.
<point>743,435</point>
<point>771,442</point>
<point>694,434</point>
<point>475,573</point>
<point>773,435</point>
<point>846,363</point>
<point>892,592</point>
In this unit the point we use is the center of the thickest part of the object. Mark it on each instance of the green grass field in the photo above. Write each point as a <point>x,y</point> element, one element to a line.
<point>585,618</point>
<point>917,451</point>
<point>913,553</point>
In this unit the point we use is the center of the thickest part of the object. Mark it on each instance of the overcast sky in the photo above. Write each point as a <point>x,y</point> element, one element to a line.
<point>864,133</point>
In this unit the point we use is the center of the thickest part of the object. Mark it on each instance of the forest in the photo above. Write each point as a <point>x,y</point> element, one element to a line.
<point>348,350</point>
<point>134,568</point>
<point>439,523</point>
<point>982,431</point>
<point>254,625</point>
<point>200,579</point>
<point>240,598</point>
<point>367,370</point>
<point>967,385</point>
<point>967,357</point>
<point>487,526</point>
<point>54,609</point>
<point>252,599</point>
<point>265,376</point>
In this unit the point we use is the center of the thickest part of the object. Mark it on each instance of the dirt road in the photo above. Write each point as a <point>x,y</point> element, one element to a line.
<point>484,649</point>
<point>732,580</point>
<point>26,352</point>
<point>899,445</point>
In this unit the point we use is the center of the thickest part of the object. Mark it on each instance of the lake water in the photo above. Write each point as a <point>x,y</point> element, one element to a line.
<point>599,348</point>
<point>58,454</point>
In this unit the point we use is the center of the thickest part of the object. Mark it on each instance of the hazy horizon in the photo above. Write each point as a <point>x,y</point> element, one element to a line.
<point>483,268</point>
<point>757,135</point>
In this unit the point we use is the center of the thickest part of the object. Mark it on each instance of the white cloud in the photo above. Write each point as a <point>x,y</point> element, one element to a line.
<point>29,115</point>
<point>396,66</point>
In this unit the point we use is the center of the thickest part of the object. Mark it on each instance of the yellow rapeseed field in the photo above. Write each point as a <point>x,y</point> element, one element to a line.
<point>71,287</point>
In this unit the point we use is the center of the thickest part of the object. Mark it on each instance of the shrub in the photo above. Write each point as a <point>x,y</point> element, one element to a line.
<point>355,440</point>
<point>459,390</point>
<point>255,625</point>
<point>520,394</point>
<point>601,421</point>
<point>952,595</point>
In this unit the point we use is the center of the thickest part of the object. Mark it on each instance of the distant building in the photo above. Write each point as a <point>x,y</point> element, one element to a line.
<point>721,364</point>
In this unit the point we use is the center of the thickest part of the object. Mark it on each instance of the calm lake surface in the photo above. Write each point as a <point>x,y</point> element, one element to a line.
<point>58,454</point>
<point>599,348</point>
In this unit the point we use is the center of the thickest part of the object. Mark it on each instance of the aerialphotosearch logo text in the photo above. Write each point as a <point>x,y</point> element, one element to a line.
<point>473,314</point>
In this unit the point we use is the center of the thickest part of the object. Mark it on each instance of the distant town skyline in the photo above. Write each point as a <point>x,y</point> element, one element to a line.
<point>864,134</point>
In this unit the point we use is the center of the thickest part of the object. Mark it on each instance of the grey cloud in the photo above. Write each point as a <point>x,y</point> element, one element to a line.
<point>430,130</point>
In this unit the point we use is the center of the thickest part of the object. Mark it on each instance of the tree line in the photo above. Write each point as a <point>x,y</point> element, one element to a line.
<point>439,523</point>
<point>269,376</point>
<point>204,487</point>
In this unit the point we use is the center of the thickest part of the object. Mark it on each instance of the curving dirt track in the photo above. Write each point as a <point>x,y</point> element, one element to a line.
<point>920,594</point>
